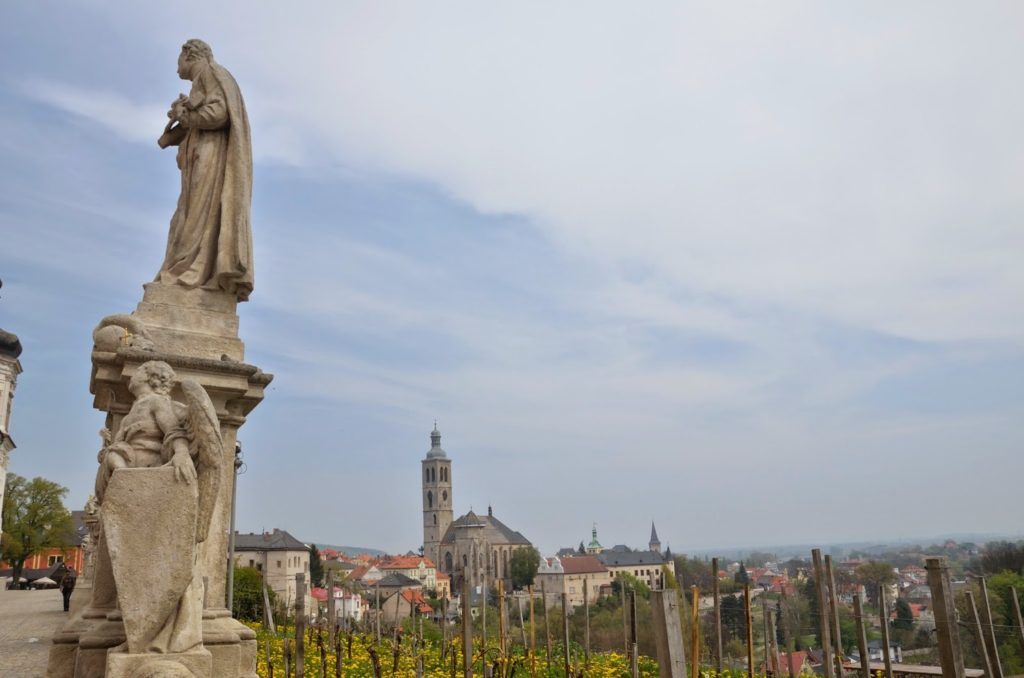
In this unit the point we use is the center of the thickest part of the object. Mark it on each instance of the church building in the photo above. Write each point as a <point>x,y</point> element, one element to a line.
<point>473,547</point>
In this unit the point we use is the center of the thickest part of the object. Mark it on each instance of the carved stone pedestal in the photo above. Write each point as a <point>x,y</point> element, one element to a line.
<point>177,665</point>
<point>196,333</point>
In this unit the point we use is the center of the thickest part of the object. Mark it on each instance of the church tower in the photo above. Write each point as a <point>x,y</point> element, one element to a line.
<point>654,545</point>
<point>437,496</point>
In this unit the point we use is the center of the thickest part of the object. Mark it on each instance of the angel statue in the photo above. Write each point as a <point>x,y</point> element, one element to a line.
<point>157,485</point>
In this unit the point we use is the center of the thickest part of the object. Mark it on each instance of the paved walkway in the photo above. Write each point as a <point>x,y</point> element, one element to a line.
<point>28,619</point>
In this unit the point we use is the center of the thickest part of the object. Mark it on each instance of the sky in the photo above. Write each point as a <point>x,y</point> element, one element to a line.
<point>751,272</point>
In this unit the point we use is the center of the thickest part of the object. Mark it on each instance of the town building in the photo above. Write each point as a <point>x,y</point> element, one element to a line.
<point>471,547</point>
<point>72,555</point>
<point>567,575</point>
<point>10,368</point>
<point>647,566</point>
<point>278,555</point>
<point>419,568</point>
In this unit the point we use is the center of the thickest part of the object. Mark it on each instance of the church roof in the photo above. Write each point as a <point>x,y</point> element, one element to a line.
<point>278,540</point>
<point>10,346</point>
<point>436,452</point>
<point>614,558</point>
<point>654,534</point>
<point>494,531</point>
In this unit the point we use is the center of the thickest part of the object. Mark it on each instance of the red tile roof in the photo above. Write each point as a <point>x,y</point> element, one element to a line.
<point>582,564</point>
<point>405,563</point>
<point>415,596</point>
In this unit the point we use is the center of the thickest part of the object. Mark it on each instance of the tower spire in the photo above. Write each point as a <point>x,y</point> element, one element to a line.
<point>654,544</point>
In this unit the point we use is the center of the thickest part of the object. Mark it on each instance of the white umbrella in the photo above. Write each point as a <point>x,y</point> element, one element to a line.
<point>44,581</point>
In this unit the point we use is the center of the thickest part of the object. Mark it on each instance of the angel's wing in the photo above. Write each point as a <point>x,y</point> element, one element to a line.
<point>206,448</point>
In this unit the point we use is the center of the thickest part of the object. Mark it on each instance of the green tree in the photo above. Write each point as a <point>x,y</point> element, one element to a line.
<point>34,520</point>
<point>668,578</point>
<point>1003,556</point>
<point>741,577</point>
<point>316,566</point>
<point>873,574</point>
<point>904,616</point>
<point>247,599</point>
<point>523,565</point>
<point>692,572</point>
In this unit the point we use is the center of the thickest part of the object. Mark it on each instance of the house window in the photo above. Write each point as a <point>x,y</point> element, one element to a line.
<point>430,499</point>
<point>279,564</point>
<point>259,567</point>
<point>251,562</point>
<point>53,560</point>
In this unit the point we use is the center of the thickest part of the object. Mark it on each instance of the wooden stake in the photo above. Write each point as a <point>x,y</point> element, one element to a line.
<point>979,633</point>
<point>287,657</point>
<point>634,660</point>
<point>950,652</point>
<point>300,625</point>
<point>669,643</point>
<point>1016,612</point>
<point>625,617</point>
<point>883,614</point>
<point>376,617</point>
<point>694,631</point>
<point>767,643</point>
<point>332,612</point>
<point>565,631</point>
<point>718,616</point>
<point>533,636</point>
<point>776,669</point>
<point>467,630</point>
<point>502,649</point>
<point>993,646</point>
<point>547,623</point>
<point>833,597</point>
<point>823,616</point>
<point>750,630</point>
<point>586,621</point>
<point>862,638</point>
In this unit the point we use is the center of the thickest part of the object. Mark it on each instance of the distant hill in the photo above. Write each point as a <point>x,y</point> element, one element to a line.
<point>351,551</point>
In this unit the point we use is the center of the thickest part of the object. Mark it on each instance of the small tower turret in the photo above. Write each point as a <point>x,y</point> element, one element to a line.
<point>436,477</point>
<point>654,544</point>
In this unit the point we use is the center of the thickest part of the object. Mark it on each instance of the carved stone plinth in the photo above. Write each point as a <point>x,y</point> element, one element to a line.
<point>175,665</point>
<point>196,333</point>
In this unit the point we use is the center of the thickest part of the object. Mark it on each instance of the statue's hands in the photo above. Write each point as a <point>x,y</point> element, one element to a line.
<point>184,469</point>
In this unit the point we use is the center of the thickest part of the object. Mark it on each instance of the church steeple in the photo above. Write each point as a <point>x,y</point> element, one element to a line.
<point>437,496</point>
<point>654,544</point>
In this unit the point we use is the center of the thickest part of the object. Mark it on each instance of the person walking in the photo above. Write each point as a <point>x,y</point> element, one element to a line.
<point>67,585</point>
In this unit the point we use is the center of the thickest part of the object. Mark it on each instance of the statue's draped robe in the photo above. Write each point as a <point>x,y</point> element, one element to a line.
<point>210,240</point>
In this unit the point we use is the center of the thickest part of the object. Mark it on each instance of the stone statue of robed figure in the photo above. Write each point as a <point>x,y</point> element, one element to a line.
<point>210,241</point>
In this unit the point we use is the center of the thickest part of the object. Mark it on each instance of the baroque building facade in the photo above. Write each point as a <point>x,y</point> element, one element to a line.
<point>10,368</point>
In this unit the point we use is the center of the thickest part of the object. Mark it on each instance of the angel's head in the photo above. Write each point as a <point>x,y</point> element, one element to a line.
<point>156,376</point>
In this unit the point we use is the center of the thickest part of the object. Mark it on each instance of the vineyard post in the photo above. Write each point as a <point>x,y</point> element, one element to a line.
<point>287,657</point>
<point>300,625</point>
<point>767,638</point>
<point>547,622</point>
<point>268,612</point>
<point>1016,612</point>
<point>883,614</point>
<point>695,630</point>
<point>668,633</point>
<point>483,622</point>
<point>634,660</point>
<point>862,638</point>
<point>950,652</point>
<point>467,631</point>
<point>533,636</point>
<point>565,631</point>
<point>979,632</point>
<point>750,630</point>
<point>718,616</point>
<point>625,619</point>
<point>833,596</point>
<point>522,623</point>
<point>444,628</point>
<point>823,616</point>
<point>993,646</point>
<point>501,619</point>
<point>776,669</point>
<point>376,615</point>
<point>586,622</point>
<point>331,607</point>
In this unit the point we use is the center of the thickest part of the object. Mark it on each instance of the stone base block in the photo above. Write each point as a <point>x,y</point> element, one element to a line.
<point>178,665</point>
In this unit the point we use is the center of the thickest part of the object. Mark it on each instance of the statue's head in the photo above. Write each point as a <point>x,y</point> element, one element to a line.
<point>194,53</point>
<point>156,376</point>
